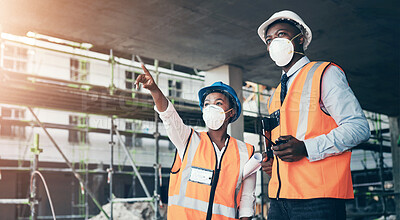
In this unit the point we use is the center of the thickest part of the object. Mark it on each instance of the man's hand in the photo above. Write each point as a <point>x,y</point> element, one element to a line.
<point>267,165</point>
<point>291,151</point>
<point>146,79</point>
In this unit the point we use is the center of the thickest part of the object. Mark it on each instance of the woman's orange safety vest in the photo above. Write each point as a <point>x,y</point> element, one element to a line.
<point>198,188</point>
<point>302,117</point>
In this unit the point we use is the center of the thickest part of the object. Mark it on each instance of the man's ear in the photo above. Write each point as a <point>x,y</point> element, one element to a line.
<point>301,39</point>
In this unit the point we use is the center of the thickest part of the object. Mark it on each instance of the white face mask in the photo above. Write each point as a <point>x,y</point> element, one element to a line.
<point>214,116</point>
<point>281,50</point>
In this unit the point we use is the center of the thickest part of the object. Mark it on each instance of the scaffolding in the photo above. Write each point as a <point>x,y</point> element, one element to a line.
<point>43,92</point>
<point>50,93</point>
<point>374,192</point>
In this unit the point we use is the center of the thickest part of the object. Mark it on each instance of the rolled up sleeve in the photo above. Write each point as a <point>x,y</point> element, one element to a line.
<point>248,199</point>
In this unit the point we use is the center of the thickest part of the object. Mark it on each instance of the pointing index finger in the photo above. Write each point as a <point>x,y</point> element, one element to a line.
<point>140,60</point>
<point>146,71</point>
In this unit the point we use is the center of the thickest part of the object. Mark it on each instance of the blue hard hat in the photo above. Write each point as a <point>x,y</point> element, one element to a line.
<point>224,89</point>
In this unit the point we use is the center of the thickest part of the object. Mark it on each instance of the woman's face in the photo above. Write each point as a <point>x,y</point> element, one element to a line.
<point>220,100</point>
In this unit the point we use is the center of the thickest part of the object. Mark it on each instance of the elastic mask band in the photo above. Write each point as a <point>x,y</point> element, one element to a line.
<point>295,37</point>
<point>228,110</point>
<point>299,53</point>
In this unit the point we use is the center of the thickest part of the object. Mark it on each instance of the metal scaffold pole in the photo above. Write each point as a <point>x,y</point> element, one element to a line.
<point>110,170</point>
<point>35,185</point>
<point>394,124</point>
<point>86,195</point>
<point>381,164</point>
<point>262,194</point>
<point>156,154</point>
<point>112,62</point>
<point>111,143</point>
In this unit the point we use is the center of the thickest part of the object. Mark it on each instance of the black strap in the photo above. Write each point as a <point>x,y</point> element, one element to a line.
<point>215,178</point>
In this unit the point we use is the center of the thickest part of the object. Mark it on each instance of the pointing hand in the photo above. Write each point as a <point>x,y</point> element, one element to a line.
<point>146,79</point>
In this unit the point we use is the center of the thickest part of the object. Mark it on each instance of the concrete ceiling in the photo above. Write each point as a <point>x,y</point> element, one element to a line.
<point>362,36</point>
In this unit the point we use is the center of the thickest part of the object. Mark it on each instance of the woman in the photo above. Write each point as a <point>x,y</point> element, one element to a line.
<point>206,176</point>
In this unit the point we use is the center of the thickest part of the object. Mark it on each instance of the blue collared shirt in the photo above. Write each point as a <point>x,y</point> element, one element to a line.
<point>339,101</point>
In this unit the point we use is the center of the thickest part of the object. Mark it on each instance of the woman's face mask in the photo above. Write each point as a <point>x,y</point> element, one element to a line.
<point>214,116</point>
<point>281,50</point>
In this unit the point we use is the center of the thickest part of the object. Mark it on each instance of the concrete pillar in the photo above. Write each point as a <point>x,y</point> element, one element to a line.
<point>232,76</point>
<point>394,125</point>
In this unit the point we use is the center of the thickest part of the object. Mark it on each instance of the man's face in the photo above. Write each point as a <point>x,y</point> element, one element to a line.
<point>284,30</point>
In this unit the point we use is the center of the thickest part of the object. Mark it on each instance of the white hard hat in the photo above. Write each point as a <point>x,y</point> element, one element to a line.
<point>291,16</point>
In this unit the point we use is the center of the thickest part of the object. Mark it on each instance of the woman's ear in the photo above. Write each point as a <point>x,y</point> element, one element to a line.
<point>232,113</point>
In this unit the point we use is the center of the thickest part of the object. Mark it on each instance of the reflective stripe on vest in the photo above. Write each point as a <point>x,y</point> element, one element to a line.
<point>301,117</point>
<point>199,205</point>
<point>185,196</point>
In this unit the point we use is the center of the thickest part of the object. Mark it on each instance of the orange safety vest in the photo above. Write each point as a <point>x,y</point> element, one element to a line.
<point>302,117</point>
<point>218,199</point>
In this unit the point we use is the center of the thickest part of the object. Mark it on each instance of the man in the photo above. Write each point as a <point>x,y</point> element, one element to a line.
<point>320,120</point>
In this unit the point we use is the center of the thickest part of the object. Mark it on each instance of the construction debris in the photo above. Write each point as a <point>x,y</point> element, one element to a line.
<point>126,211</point>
